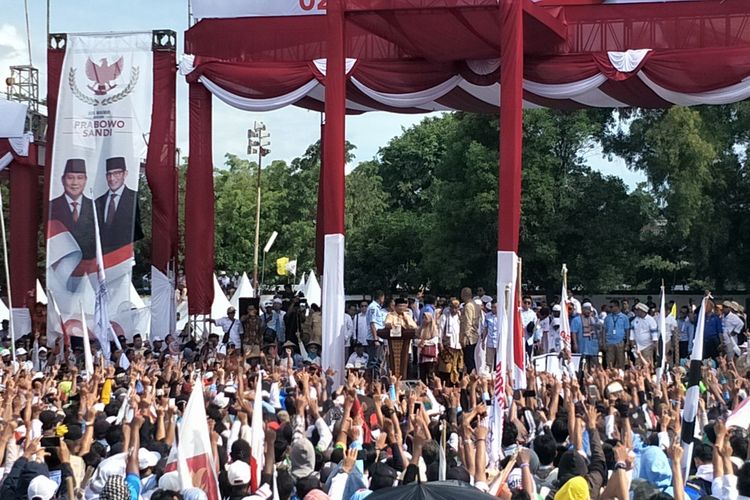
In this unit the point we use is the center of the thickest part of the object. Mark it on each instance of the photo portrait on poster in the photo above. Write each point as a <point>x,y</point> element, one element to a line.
<point>100,140</point>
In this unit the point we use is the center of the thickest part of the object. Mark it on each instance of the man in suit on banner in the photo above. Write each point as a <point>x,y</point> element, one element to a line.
<point>73,209</point>
<point>117,208</point>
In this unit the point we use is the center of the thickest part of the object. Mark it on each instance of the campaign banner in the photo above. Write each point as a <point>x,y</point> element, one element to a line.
<point>100,140</point>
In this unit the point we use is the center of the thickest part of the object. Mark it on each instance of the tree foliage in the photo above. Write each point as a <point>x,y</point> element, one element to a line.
<point>424,210</point>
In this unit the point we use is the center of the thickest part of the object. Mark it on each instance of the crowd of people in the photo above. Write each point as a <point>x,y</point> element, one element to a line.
<point>605,428</point>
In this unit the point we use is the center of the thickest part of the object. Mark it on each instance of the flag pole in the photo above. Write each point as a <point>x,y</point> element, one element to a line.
<point>7,277</point>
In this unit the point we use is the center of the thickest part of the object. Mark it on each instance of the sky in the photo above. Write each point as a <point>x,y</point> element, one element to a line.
<point>292,129</point>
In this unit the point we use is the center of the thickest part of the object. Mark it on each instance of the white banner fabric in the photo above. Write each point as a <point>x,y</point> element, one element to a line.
<point>104,115</point>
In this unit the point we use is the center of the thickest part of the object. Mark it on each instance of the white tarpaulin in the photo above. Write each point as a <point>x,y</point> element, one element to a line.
<point>163,312</point>
<point>13,118</point>
<point>4,311</point>
<point>244,291</point>
<point>21,321</point>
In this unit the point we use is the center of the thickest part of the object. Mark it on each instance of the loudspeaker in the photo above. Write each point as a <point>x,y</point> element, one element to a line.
<point>248,301</point>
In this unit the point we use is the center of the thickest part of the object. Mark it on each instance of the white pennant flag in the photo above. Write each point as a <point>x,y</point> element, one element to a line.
<point>87,357</point>
<point>291,267</point>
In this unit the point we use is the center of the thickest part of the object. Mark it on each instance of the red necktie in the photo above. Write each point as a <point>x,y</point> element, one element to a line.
<point>111,209</point>
<point>75,211</point>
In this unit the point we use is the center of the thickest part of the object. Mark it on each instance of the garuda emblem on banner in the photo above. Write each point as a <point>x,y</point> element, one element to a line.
<point>103,77</point>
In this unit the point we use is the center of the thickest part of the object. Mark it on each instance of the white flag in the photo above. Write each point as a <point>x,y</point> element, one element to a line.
<point>88,358</point>
<point>291,267</point>
<point>258,437</point>
<point>665,335</point>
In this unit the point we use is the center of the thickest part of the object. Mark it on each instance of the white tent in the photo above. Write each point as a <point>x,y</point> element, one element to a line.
<point>244,291</point>
<point>40,295</point>
<point>136,299</point>
<point>301,286</point>
<point>221,303</point>
<point>312,290</point>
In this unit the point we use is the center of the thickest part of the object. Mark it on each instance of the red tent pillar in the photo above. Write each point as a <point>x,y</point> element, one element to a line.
<point>199,205</point>
<point>24,229</point>
<point>332,180</point>
<point>319,233</point>
<point>509,178</point>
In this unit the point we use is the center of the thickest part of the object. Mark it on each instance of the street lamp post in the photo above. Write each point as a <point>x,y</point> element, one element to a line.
<point>258,141</point>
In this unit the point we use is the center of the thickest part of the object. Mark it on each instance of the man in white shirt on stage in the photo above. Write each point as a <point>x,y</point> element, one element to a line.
<point>644,333</point>
<point>232,328</point>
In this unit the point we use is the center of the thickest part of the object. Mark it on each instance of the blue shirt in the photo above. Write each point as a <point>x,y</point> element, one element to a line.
<point>616,328</point>
<point>375,314</point>
<point>133,482</point>
<point>277,325</point>
<point>588,346</point>
<point>428,308</point>
<point>714,327</point>
<point>490,326</point>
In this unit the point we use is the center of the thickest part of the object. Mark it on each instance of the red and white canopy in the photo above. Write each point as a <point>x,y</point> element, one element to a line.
<point>643,77</point>
<point>579,53</point>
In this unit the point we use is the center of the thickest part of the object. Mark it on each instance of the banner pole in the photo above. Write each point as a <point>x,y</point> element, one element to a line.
<point>7,278</point>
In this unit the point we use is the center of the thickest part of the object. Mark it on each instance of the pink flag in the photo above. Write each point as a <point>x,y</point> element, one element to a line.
<point>195,462</point>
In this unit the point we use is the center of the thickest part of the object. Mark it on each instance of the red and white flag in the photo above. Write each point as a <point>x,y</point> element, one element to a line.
<point>740,417</point>
<point>195,462</point>
<point>258,437</point>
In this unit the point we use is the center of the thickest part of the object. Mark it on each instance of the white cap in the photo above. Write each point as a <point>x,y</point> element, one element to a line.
<point>587,305</point>
<point>557,307</point>
<point>642,307</point>
<point>170,481</point>
<point>238,472</point>
<point>221,400</point>
<point>41,487</point>
<point>37,376</point>
<point>147,458</point>
<point>277,300</point>
<point>208,375</point>
<point>42,349</point>
<point>21,351</point>
<point>157,339</point>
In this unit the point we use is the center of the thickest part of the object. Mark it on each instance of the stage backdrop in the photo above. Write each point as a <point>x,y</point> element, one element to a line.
<point>100,140</point>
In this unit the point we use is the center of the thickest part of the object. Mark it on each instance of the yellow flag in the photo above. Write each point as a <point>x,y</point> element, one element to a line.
<point>281,265</point>
<point>673,312</point>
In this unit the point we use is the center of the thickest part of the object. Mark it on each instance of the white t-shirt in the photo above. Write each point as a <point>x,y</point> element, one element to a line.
<point>645,332</point>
